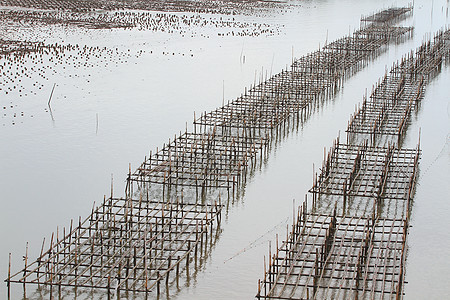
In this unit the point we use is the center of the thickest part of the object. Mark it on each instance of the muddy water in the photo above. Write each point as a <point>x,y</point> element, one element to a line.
<point>108,114</point>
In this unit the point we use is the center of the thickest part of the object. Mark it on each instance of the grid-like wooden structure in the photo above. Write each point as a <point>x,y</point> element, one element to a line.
<point>351,242</point>
<point>124,245</point>
<point>360,170</point>
<point>270,104</point>
<point>133,244</point>
<point>326,256</point>
<point>241,130</point>
<point>367,42</point>
<point>427,59</point>
<point>312,77</point>
<point>362,176</point>
<point>383,32</point>
<point>386,113</point>
<point>393,14</point>
<point>205,160</point>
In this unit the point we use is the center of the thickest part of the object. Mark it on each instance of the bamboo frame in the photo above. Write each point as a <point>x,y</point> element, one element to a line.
<point>398,94</point>
<point>125,245</point>
<point>131,245</point>
<point>340,257</point>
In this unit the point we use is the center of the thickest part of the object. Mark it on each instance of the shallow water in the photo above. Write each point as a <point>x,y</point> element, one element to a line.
<point>55,165</point>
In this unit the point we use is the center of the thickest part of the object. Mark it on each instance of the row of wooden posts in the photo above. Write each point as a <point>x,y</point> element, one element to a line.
<point>351,242</point>
<point>385,115</point>
<point>226,141</point>
<point>134,243</point>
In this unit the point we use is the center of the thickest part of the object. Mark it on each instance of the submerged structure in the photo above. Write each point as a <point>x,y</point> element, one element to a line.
<point>340,257</point>
<point>352,241</point>
<point>136,243</point>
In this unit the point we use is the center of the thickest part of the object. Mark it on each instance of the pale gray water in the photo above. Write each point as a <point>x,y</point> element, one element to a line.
<point>52,171</point>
